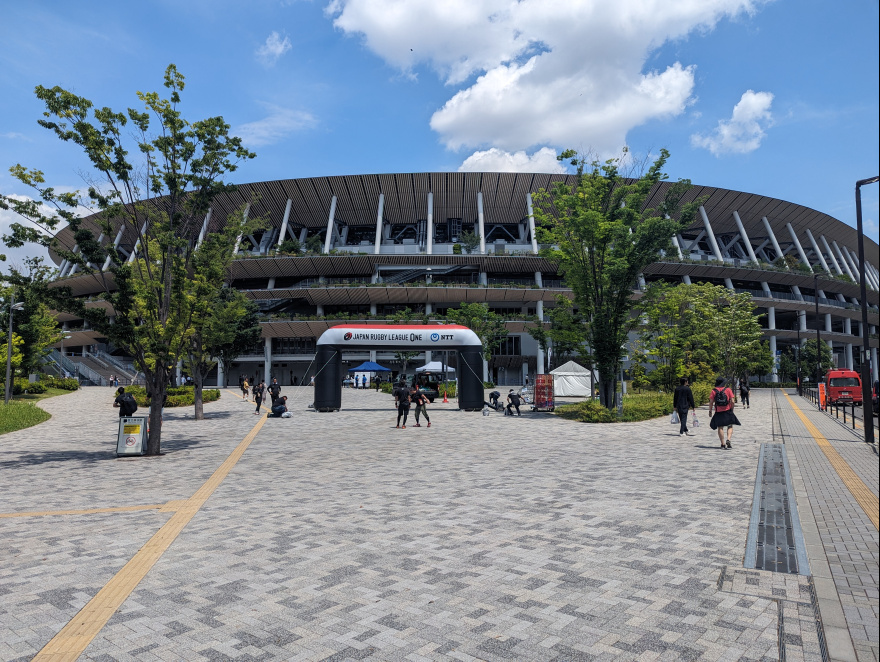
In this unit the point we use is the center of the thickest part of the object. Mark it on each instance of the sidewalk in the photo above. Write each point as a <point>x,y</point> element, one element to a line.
<point>835,475</point>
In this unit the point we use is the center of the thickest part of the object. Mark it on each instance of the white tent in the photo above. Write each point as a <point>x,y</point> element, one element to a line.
<point>572,379</point>
<point>436,366</point>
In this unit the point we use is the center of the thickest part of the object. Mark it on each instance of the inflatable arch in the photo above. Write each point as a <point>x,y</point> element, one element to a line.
<point>331,344</point>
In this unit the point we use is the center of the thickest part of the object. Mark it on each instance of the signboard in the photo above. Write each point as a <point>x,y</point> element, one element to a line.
<point>132,438</point>
<point>400,336</point>
<point>822,395</point>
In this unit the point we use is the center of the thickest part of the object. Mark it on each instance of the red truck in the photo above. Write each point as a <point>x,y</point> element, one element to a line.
<point>843,386</point>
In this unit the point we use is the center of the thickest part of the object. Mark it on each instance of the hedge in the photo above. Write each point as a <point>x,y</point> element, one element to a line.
<point>64,383</point>
<point>21,384</point>
<point>178,396</point>
<point>636,407</point>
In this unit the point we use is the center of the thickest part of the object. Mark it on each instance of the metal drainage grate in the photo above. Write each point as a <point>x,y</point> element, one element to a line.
<point>775,542</point>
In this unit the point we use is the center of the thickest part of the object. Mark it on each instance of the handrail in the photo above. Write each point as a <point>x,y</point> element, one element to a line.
<point>127,369</point>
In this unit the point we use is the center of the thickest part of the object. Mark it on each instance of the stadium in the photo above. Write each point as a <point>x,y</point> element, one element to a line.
<point>379,244</point>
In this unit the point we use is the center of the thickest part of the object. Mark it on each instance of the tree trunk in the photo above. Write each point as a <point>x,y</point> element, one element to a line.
<point>607,390</point>
<point>198,403</point>
<point>158,385</point>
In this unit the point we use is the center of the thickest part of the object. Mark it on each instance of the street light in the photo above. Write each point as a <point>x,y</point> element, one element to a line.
<point>12,307</point>
<point>867,401</point>
<point>818,338</point>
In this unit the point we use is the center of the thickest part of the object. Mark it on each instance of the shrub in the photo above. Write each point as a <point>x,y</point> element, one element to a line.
<point>456,249</point>
<point>488,384</point>
<point>588,411</point>
<point>636,406</point>
<point>178,396</point>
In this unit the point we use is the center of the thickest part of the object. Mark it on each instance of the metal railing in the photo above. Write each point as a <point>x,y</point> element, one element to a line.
<point>80,370</point>
<point>127,369</point>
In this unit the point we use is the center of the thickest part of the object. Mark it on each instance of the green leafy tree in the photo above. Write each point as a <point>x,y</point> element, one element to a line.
<point>314,244</point>
<point>602,235</point>
<point>233,330</point>
<point>154,176</point>
<point>469,240</point>
<point>787,366</point>
<point>405,316</point>
<point>638,377</point>
<point>737,332</point>
<point>808,359</point>
<point>760,361</point>
<point>566,332</point>
<point>488,326</point>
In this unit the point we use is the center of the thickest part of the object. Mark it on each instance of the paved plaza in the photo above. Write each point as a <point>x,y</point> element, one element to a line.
<point>334,536</point>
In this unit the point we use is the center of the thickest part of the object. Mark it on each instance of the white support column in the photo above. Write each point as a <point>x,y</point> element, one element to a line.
<point>849,356</point>
<point>828,322</point>
<point>797,292</point>
<point>271,284</point>
<point>802,320</point>
<point>430,237</point>
<point>853,264</point>
<point>137,244</point>
<point>774,376</point>
<point>677,248</point>
<point>247,211</point>
<point>817,251</point>
<point>728,284</point>
<point>874,368</point>
<point>830,254</point>
<point>872,279</point>
<point>532,223</point>
<point>847,326</point>
<point>686,279</point>
<point>539,309</point>
<point>267,357</point>
<point>74,267</point>
<point>221,378</point>
<point>378,247</point>
<point>303,235</point>
<point>745,237</point>
<point>283,234</point>
<point>772,238</point>
<point>869,281</point>
<point>204,229</point>
<point>331,223</point>
<point>481,223</point>
<point>800,249</point>
<point>771,318</point>
<point>115,246</point>
<point>843,261</point>
<point>711,235</point>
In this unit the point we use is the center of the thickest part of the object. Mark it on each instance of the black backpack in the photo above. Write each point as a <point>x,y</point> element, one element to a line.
<point>128,404</point>
<point>721,399</point>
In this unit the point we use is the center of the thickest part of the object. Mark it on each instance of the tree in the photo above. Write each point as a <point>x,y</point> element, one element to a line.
<point>602,237</point>
<point>488,326</point>
<point>637,375</point>
<point>737,332</point>
<point>787,366</point>
<point>808,359</point>
<point>567,332</point>
<point>35,324</point>
<point>158,201</point>
<point>404,316</point>
<point>234,329</point>
<point>469,241</point>
<point>760,360</point>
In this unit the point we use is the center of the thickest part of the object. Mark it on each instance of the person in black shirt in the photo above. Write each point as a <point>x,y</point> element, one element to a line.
<point>402,400</point>
<point>274,390</point>
<point>683,401</point>
<point>513,400</point>
<point>493,400</point>
<point>744,391</point>
<point>259,390</point>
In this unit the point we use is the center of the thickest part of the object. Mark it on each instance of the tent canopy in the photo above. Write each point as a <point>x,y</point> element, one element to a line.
<point>369,366</point>
<point>572,379</point>
<point>436,366</point>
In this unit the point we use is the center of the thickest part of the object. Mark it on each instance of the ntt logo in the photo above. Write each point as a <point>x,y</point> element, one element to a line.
<point>435,337</point>
<point>347,336</point>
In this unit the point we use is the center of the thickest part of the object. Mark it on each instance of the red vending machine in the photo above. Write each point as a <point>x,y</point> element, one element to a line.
<point>543,400</point>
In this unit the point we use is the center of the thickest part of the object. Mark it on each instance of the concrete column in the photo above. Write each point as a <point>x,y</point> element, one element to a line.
<point>711,235</point>
<point>271,284</point>
<point>532,223</point>
<point>247,211</point>
<point>677,248</point>
<point>430,237</point>
<point>772,237</point>
<point>774,376</point>
<point>303,235</point>
<point>116,245</point>
<point>428,356</point>
<point>378,246</point>
<point>843,261</point>
<point>800,249</point>
<point>728,284</point>
<point>797,292</point>
<point>267,357</point>
<point>137,244</point>
<point>874,367</point>
<point>849,356</point>
<point>802,317</point>
<point>204,229</point>
<point>869,279</point>
<point>331,224</point>
<point>373,355</point>
<point>771,318</point>
<point>817,251</point>
<point>830,254</point>
<point>372,311</point>
<point>484,279</point>
<point>221,378</point>
<point>745,237</point>
<point>319,310</point>
<point>283,234</point>
<point>481,223</point>
<point>828,322</point>
<point>686,279</point>
<point>539,279</point>
<point>853,264</point>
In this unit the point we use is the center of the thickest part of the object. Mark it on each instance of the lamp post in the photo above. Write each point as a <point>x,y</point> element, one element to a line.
<point>797,356</point>
<point>818,337</point>
<point>12,307</point>
<point>867,402</point>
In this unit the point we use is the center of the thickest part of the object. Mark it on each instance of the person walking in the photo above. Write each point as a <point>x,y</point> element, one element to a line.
<point>721,402</point>
<point>683,401</point>
<point>421,402</point>
<point>274,390</point>
<point>513,400</point>
<point>244,389</point>
<point>744,392</point>
<point>259,390</point>
<point>402,401</point>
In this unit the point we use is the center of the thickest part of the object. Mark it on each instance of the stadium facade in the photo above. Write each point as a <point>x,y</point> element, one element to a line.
<point>382,243</point>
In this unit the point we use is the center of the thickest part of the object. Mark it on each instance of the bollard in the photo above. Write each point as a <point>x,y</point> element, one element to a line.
<point>844,415</point>
<point>854,415</point>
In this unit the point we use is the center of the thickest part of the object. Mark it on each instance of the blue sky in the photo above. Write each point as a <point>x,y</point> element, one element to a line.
<point>778,98</point>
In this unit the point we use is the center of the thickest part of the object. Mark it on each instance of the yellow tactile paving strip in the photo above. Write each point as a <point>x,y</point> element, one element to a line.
<point>87,511</point>
<point>75,637</point>
<point>863,496</point>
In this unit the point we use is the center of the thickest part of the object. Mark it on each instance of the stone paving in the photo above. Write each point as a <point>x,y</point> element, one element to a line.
<point>338,537</point>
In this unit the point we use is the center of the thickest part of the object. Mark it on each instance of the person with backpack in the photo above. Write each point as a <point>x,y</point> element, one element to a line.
<point>259,390</point>
<point>744,391</point>
<point>721,403</point>
<point>402,402</point>
<point>126,403</point>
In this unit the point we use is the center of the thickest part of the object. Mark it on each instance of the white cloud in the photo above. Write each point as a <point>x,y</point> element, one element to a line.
<point>530,75</point>
<point>274,47</point>
<point>276,126</point>
<point>744,131</point>
<point>14,135</point>
<point>497,160</point>
<point>15,256</point>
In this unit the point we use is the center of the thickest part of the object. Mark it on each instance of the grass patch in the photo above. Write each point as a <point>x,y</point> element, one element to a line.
<point>636,407</point>
<point>50,392</point>
<point>20,415</point>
